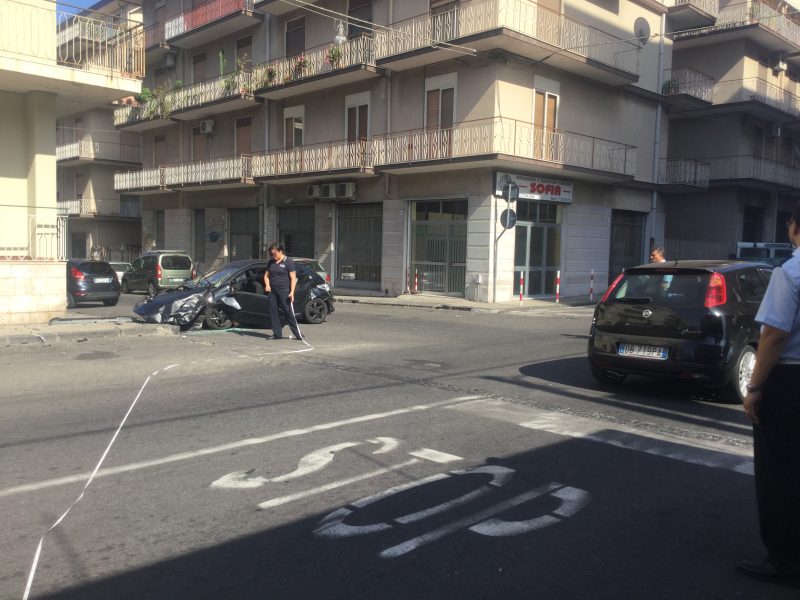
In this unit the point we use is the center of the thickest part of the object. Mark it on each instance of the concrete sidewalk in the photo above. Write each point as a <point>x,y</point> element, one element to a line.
<point>71,328</point>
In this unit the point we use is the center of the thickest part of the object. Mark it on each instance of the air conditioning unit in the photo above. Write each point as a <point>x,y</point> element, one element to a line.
<point>775,130</point>
<point>328,191</point>
<point>207,126</point>
<point>314,191</point>
<point>169,60</point>
<point>346,190</point>
<point>779,67</point>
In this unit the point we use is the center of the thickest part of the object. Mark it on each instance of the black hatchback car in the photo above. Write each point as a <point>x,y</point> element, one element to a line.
<point>690,320</point>
<point>91,281</point>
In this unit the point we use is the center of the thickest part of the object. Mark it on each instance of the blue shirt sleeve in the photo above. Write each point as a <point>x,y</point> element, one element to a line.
<point>779,307</point>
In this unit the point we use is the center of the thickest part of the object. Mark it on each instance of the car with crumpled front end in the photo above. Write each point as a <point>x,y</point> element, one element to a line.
<point>688,320</point>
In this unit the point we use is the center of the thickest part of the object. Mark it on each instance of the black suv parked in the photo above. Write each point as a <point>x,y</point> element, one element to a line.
<point>692,320</point>
<point>91,280</point>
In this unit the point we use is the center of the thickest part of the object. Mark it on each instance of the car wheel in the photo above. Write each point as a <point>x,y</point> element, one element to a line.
<point>216,319</point>
<point>740,375</point>
<point>151,289</point>
<point>125,288</point>
<point>315,311</point>
<point>111,301</point>
<point>71,301</point>
<point>606,376</point>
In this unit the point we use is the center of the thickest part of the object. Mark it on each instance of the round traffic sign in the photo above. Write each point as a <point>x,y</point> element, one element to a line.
<point>508,218</point>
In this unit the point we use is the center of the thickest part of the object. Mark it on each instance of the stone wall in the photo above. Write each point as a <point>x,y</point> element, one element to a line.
<point>32,291</point>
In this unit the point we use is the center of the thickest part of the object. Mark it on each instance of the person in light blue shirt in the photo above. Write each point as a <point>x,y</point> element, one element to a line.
<point>773,406</point>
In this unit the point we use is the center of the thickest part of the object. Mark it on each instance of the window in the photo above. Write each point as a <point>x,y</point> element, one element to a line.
<point>357,117</point>
<point>293,126</point>
<point>198,144</point>
<point>200,235</point>
<point>159,238</point>
<point>295,37</point>
<point>198,67</point>
<point>244,144</point>
<point>159,150</point>
<point>78,131</point>
<point>244,53</point>
<point>80,185</point>
<point>362,11</point>
<point>545,112</point>
<point>440,98</point>
<point>160,78</point>
<point>751,285</point>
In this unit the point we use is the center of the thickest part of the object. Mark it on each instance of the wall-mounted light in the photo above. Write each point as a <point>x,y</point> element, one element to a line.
<point>340,37</point>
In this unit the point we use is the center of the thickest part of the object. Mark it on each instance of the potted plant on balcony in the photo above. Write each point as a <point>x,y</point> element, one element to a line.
<point>669,87</point>
<point>334,56</point>
<point>300,65</point>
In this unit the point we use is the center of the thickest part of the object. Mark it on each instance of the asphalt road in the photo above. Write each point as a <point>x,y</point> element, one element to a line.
<point>404,453</point>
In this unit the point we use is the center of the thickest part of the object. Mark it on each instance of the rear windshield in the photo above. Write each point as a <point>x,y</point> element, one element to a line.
<point>95,268</point>
<point>311,264</point>
<point>176,262</point>
<point>663,287</point>
<point>120,266</point>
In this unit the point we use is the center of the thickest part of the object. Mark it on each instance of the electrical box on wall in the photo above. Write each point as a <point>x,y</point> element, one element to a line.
<point>328,191</point>
<point>207,126</point>
<point>346,190</point>
<point>314,191</point>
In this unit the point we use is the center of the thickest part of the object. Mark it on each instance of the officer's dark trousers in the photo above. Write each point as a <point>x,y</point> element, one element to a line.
<point>280,300</point>
<point>776,441</point>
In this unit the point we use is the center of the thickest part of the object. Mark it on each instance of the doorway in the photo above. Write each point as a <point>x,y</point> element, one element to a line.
<point>537,248</point>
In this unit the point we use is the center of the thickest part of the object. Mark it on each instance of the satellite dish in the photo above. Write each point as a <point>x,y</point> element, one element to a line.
<point>641,30</point>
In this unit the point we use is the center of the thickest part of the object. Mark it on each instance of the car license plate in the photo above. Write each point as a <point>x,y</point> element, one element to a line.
<point>178,280</point>
<point>102,279</point>
<point>640,351</point>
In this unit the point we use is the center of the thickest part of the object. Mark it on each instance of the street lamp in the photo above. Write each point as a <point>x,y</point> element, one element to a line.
<point>340,37</point>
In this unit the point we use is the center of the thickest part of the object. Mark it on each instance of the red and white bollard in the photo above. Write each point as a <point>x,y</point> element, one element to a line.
<point>521,285</point>
<point>591,286</point>
<point>558,286</point>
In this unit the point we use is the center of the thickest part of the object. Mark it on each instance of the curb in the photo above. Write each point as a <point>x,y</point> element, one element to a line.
<point>475,309</point>
<point>64,332</point>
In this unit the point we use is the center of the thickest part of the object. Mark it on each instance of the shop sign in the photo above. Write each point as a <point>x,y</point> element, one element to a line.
<point>535,188</point>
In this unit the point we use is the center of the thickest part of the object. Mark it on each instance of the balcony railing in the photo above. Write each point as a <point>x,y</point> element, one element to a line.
<point>107,207</point>
<point>127,114</point>
<point>753,89</point>
<point>710,7</point>
<point>218,88</point>
<point>505,136</point>
<point>98,42</point>
<point>218,169</point>
<point>314,158</point>
<point>203,14</point>
<point>748,13</point>
<point>315,61</point>
<point>137,180</point>
<point>522,16</point>
<point>154,35</point>
<point>683,171</point>
<point>90,149</point>
<point>687,81</point>
<point>752,167</point>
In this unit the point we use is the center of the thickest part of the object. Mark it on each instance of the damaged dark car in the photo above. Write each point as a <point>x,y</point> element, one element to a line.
<point>234,293</point>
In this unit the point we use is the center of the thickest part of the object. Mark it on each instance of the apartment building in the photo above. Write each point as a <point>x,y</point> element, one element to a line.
<point>734,140</point>
<point>54,62</point>
<point>384,150</point>
<point>100,224</point>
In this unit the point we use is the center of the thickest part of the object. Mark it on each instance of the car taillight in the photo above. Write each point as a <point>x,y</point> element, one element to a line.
<point>194,272</point>
<point>327,277</point>
<point>76,274</point>
<point>611,287</point>
<point>717,292</point>
<point>158,272</point>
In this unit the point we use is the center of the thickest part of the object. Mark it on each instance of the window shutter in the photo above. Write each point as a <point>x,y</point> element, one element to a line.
<point>432,110</point>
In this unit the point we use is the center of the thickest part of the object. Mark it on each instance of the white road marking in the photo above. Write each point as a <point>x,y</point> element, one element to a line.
<point>31,487</point>
<point>333,485</point>
<point>435,455</point>
<point>239,480</point>
<point>387,444</point>
<point>314,461</point>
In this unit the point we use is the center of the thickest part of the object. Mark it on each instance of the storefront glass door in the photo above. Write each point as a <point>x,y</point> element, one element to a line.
<point>537,254</point>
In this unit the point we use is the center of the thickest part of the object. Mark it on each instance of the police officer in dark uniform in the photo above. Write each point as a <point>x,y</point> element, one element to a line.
<point>773,406</point>
<point>280,280</point>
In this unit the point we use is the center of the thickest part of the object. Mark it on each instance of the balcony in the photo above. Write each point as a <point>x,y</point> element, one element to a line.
<point>155,42</point>
<point>317,69</point>
<point>145,116</point>
<point>506,143</point>
<point>101,207</point>
<point>315,162</point>
<point>216,173</point>
<point>689,14</point>
<point>687,89</point>
<point>142,182</point>
<point>210,21</point>
<point>753,19</point>
<point>89,151</point>
<point>230,92</point>
<point>518,26</point>
<point>753,172</point>
<point>676,175</point>
<point>87,60</point>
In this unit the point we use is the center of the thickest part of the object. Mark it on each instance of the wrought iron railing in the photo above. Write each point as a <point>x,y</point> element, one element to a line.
<point>684,80</point>
<point>141,179</point>
<point>758,90</point>
<point>154,35</point>
<point>35,236</point>
<point>683,171</point>
<point>90,149</point>
<point>108,207</point>
<point>230,168</point>
<point>233,84</point>
<point>522,16</point>
<point>750,12</point>
<point>710,7</point>
<point>753,167</point>
<point>314,61</point>
<point>203,14</point>
<point>505,136</point>
<point>314,158</point>
<point>90,40</point>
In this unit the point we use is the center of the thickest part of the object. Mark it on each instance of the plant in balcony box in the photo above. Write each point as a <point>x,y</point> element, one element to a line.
<point>177,86</point>
<point>229,83</point>
<point>271,74</point>
<point>300,64</point>
<point>670,86</point>
<point>334,56</point>
<point>144,96</point>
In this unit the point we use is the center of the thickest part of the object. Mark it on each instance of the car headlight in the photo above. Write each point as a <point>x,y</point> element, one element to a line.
<point>325,287</point>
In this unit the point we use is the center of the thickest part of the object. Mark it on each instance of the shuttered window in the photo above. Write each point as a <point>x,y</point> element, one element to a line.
<point>198,67</point>
<point>244,143</point>
<point>295,37</point>
<point>244,53</point>
<point>159,150</point>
